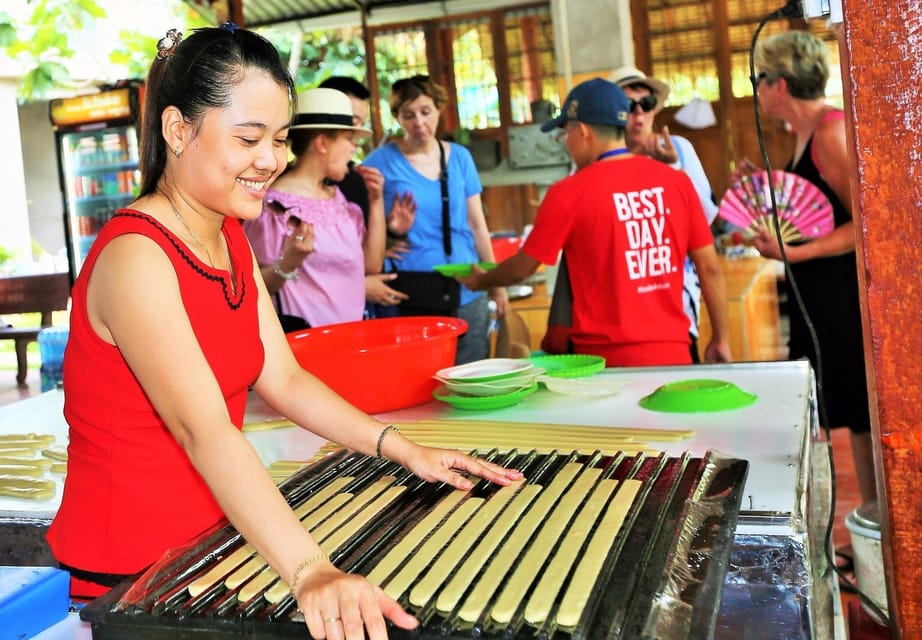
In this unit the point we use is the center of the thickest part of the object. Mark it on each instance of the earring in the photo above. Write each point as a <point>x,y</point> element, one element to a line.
<point>177,152</point>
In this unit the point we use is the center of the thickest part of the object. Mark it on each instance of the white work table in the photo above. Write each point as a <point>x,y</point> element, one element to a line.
<point>773,434</point>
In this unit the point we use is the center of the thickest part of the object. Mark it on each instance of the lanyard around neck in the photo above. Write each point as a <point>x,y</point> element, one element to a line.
<point>611,153</point>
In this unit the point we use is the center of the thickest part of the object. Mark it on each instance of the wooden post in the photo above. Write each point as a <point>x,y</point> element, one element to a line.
<point>879,46</point>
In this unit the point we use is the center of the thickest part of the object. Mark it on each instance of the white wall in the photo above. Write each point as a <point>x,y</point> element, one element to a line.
<point>14,216</point>
<point>45,203</point>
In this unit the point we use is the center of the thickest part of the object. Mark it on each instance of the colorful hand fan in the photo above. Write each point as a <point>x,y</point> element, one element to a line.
<point>804,212</point>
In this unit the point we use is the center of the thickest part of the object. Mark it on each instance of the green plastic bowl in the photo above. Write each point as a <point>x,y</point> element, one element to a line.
<point>569,365</point>
<point>697,396</point>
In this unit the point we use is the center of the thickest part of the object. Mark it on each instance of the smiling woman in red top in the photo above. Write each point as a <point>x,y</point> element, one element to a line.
<point>171,323</point>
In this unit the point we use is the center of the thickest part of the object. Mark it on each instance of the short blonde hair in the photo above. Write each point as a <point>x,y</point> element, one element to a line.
<point>799,57</point>
<point>409,89</point>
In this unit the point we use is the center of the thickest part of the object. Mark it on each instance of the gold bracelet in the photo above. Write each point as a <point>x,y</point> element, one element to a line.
<point>390,427</point>
<point>304,565</point>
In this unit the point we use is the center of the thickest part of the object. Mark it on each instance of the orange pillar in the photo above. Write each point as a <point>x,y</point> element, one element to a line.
<point>882,68</point>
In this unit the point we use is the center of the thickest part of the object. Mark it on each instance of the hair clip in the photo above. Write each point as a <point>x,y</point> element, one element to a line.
<point>167,43</point>
<point>230,27</point>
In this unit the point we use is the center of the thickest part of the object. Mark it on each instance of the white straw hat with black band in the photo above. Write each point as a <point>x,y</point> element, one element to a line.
<point>325,109</point>
<point>627,76</point>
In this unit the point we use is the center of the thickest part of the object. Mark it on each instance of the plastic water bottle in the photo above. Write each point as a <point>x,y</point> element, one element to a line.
<point>51,343</point>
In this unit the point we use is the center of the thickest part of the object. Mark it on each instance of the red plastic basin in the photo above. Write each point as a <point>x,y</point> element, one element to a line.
<point>383,364</point>
<point>505,247</point>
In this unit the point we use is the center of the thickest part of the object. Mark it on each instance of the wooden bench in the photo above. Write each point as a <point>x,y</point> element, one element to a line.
<point>31,294</point>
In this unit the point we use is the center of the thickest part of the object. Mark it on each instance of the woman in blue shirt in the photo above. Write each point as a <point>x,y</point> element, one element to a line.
<point>412,167</point>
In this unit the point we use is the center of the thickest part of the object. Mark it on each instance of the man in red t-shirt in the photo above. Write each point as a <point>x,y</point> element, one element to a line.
<point>626,224</point>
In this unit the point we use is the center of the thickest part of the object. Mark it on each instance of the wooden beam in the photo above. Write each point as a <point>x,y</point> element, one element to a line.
<point>879,46</point>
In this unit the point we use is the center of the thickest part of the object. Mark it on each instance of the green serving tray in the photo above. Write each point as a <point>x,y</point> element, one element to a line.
<point>463,270</point>
<point>483,403</point>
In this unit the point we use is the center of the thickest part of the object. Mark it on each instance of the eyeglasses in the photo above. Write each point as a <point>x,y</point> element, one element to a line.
<point>646,104</point>
<point>759,77</point>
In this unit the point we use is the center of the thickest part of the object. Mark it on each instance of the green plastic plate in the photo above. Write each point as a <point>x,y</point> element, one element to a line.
<point>462,270</point>
<point>696,396</point>
<point>483,403</point>
<point>569,365</point>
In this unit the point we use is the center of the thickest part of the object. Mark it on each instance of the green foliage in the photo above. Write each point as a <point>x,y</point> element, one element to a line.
<point>6,260</point>
<point>43,79</point>
<point>42,42</point>
<point>136,58</point>
<point>7,30</point>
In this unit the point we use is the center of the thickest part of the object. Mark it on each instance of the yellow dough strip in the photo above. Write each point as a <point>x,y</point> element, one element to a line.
<point>18,452</point>
<point>55,453</point>
<point>320,498</point>
<point>587,571</point>
<point>26,487</point>
<point>217,573</point>
<point>654,434</point>
<point>227,564</point>
<point>322,531</point>
<point>250,568</point>
<point>488,442</point>
<point>267,575</point>
<point>417,563</point>
<point>280,589</point>
<point>8,440</point>
<point>545,593</point>
<point>420,531</point>
<point>22,470</point>
<point>527,569</point>
<point>451,595</point>
<point>332,518</point>
<point>460,545</point>
<point>266,425</point>
<point>43,463</point>
<point>342,535</point>
<point>488,584</point>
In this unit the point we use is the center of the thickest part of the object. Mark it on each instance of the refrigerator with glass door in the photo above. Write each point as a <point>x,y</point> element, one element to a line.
<point>97,147</point>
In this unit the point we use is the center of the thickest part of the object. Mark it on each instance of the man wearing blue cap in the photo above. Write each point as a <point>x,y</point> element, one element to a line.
<point>626,223</point>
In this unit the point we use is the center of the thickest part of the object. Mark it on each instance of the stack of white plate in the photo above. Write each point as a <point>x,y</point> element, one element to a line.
<point>489,377</point>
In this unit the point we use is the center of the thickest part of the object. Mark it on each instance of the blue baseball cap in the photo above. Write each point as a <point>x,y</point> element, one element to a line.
<point>595,101</point>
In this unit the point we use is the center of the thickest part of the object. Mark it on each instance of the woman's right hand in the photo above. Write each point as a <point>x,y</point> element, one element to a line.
<point>378,292</point>
<point>345,605</point>
<point>297,245</point>
<point>743,168</point>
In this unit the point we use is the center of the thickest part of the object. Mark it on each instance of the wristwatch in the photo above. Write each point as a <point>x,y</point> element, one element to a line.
<point>285,275</point>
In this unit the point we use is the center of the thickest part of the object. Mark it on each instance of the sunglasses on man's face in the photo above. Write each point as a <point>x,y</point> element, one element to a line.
<point>646,104</point>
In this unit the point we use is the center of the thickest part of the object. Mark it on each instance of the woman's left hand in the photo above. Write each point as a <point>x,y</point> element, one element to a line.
<point>446,465</point>
<point>402,215</point>
<point>767,245</point>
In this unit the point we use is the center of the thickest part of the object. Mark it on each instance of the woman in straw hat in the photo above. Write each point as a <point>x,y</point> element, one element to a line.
<point>312,244</point>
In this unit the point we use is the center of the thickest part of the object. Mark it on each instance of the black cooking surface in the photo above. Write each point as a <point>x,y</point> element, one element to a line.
<point>660,575</point>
